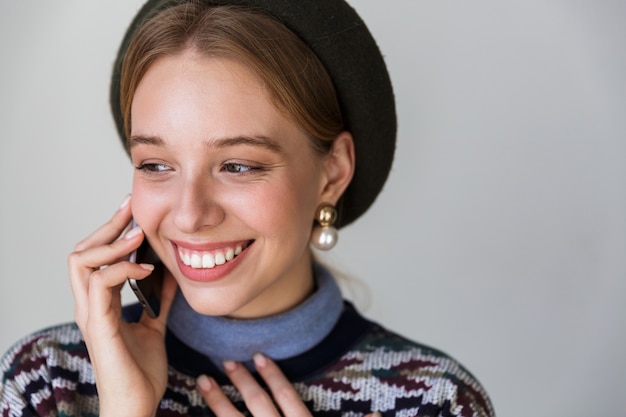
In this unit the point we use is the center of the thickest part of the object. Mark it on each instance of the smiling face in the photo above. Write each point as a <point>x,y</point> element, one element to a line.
<point>225,187</point>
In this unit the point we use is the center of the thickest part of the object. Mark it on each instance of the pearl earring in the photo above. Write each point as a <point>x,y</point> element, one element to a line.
<point>324,236</point>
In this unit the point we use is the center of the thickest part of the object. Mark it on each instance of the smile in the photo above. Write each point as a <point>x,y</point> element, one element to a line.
<point>207,260</point>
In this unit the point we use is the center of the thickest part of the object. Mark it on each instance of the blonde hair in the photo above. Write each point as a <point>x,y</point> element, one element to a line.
<point>295,78</point>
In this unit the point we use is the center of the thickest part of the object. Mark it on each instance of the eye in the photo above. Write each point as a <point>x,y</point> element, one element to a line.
<point>236,168</point>
<point>153,168</point>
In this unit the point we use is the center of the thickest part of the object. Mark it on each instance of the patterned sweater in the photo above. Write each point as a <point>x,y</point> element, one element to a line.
<point>358,368</point>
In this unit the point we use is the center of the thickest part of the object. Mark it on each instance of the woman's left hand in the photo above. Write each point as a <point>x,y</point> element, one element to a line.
<point>256,398</point>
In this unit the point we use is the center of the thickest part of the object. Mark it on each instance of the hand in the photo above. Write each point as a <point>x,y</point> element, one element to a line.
<point>129,360</point>
<point>258,401</point>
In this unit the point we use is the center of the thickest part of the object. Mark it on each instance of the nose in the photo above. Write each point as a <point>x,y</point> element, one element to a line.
<point>196,207</point>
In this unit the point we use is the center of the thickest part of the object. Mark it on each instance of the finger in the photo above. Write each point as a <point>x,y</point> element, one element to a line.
<point>82,264</point>
<point>105,285</point>
<point>102,304</point>
<point>109,231</point>
<point>79,284</point>
<point>108,253</point>
<point>257,400</point>
<point>168,293</point>
<point>215,398</point>
<point>282,390</point>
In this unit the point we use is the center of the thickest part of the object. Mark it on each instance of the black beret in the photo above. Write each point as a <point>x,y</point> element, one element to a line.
<point>344,45</point>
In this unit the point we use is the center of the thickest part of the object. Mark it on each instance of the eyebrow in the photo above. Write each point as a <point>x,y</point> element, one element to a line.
<point>258,141</point>
<point>145,140</point>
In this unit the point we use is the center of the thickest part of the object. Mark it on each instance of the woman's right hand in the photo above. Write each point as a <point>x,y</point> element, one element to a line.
<point>128,359</point>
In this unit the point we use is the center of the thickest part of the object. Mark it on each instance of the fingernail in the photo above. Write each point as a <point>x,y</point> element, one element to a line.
<point>229,365</point>
<point>125,202</point>
<point>204,383</point>
<point>147,267</point>
<point>259,360</point>
<point>133,232</point>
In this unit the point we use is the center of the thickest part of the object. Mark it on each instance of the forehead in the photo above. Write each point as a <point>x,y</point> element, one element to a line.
<point>188,99</point>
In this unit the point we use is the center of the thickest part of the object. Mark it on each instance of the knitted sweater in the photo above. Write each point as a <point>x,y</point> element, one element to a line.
<point>358,368</point>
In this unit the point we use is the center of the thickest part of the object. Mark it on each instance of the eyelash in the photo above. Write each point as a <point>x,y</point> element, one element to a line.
<point>229,167</point>
<point>240,169</point>
<point>152,168</point>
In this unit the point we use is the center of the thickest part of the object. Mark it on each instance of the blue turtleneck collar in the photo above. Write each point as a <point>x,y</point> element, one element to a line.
<point>280,337</point>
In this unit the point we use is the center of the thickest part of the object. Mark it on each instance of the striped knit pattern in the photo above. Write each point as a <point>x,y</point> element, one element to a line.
<point>49,374</point>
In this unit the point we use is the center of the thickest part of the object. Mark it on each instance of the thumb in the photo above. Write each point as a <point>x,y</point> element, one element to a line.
<point>168,292</point>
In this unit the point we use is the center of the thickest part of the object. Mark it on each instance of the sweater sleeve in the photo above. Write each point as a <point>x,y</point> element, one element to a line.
<point>12,400</point>
<point>25,388</point>
<point>47,374</point>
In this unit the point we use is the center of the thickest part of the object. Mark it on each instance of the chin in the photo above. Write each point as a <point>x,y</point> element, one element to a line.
<point>209,304</point>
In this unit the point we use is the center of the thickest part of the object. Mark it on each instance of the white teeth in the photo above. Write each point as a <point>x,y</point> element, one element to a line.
<point>198,260</point>
<point>208,261</point>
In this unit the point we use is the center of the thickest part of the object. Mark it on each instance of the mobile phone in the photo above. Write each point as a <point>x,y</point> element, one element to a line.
<point>148,290</point>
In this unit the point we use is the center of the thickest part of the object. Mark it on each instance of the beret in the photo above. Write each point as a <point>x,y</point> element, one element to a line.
<point>346,48</point>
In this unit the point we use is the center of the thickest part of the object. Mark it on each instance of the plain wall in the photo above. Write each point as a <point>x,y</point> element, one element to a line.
<point>500,237</point>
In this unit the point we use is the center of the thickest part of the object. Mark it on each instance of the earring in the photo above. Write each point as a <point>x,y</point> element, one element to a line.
<point>324,236</point>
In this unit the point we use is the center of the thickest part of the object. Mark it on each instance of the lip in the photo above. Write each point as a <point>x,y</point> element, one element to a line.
<point>208,246</point>
<point>219,271</point>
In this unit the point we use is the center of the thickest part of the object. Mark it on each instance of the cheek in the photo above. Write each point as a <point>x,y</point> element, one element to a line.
<point>284,210</point>
<point>148,205</point>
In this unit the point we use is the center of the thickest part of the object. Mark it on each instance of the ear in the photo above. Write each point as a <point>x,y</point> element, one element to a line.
<point>339,168</point>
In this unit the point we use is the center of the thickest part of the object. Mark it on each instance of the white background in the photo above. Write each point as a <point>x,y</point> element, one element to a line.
<point>500,237</point>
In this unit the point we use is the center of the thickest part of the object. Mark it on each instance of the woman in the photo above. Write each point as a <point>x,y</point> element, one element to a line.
<point>255,127</point>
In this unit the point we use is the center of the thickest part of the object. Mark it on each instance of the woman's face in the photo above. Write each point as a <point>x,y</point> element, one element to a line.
<point>225,186</point>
